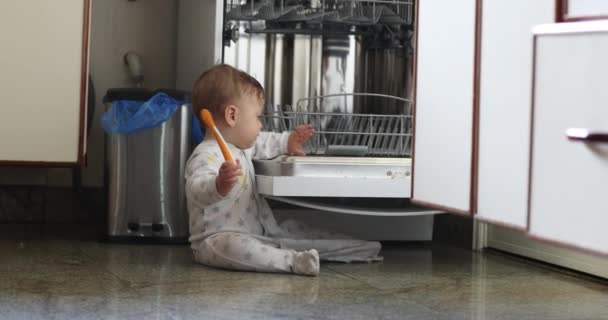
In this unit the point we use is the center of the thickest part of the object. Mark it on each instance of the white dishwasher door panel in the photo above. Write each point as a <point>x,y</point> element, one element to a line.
<point>444,96</point>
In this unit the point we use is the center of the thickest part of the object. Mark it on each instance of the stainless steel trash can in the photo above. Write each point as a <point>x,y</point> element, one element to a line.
<point>145,176</point>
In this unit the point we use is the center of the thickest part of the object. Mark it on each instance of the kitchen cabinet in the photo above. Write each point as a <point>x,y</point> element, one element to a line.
<point>505,68</point>
<point>562,218</point>
<point>554,201</point>
<point>444,93</point>
<point>43,85</point>
<point>569,137</point>
<point>551,192</point>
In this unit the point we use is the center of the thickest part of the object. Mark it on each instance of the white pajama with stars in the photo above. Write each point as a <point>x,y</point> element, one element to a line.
<point>238,231</point>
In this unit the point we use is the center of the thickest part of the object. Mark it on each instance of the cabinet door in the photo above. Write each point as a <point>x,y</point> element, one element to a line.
<point>504,107</point>
<point>445,60</point>
<point>43,82</point>
<point>569,177</point>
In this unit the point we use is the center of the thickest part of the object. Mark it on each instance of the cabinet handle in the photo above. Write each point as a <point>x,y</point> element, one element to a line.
<point>581,134</point>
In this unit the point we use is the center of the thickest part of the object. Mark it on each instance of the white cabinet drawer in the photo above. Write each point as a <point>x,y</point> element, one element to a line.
<point>569,179</point>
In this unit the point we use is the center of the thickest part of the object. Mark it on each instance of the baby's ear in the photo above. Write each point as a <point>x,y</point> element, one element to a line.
<point>231,114</point>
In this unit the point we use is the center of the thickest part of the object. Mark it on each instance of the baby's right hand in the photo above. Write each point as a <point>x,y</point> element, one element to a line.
<point>228,176</point>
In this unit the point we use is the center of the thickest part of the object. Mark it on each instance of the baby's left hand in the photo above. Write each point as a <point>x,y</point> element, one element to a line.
<point>298,137</point>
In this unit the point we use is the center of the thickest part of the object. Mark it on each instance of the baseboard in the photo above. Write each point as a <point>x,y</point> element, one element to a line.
<point>517,243</point>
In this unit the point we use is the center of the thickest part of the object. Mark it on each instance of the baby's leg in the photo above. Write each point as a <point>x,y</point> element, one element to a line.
<point>330,245</point>
<point>242,252</point>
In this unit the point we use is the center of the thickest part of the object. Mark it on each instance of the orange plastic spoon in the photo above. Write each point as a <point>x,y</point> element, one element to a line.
<point>210,124</point>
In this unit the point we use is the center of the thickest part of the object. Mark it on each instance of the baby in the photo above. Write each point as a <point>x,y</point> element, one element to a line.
<point>231,225</point>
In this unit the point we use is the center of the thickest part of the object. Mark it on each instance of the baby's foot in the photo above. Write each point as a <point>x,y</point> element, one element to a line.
<point>306,263</point>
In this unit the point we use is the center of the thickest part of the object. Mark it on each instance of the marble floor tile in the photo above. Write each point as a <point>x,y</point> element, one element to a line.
<point>466,285</point>
<point>55,279</point>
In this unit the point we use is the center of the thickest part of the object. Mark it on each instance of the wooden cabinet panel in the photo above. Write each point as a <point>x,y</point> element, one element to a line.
<point>43,81</point>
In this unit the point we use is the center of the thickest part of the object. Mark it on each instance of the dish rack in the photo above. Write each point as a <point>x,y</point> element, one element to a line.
<point>340,132</point>
<point>351,12</point>
<point>259,10</point>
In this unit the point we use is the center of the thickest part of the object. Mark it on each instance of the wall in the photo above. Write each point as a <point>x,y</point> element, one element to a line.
<point>199,43</point>
<point>148,27</point>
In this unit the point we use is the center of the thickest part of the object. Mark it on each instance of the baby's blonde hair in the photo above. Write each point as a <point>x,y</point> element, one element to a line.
<point>222,85</point>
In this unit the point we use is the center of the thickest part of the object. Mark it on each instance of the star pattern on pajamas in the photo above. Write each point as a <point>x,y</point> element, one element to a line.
<point>244,183</point>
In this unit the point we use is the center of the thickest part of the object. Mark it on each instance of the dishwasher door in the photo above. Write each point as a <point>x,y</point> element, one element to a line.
<point>359,177</point>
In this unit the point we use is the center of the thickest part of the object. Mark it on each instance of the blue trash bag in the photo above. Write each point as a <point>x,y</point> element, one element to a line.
<point>128,116</point>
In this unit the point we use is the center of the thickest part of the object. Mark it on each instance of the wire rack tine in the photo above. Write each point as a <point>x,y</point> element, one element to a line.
<point>392,145</point>
<point>381,138</point>
<point>381,134</point>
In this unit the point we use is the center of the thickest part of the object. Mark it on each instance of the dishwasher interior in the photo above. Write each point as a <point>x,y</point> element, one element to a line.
<point>346,67</point>
<point>350,155</point>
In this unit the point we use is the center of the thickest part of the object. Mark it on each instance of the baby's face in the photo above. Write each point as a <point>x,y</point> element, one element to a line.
<point>248,123</point>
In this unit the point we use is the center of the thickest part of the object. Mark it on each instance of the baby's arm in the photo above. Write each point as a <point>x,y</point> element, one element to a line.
<point>201,175</point>
<point>269,144</point>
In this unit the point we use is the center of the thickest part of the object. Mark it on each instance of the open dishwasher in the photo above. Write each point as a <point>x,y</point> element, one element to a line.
<point>346,67</point>
<point>351,155</point>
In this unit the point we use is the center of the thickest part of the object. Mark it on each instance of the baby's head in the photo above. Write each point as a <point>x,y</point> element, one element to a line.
<point>235,99</point>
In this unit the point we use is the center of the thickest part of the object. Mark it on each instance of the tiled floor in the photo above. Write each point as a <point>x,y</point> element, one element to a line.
<point>59,279</point>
